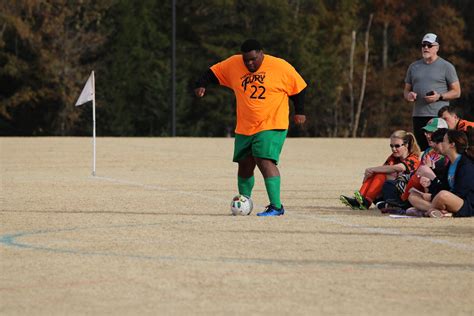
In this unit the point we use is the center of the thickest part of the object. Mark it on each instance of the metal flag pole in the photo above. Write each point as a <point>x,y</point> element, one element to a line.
<point>93,125</point>
<point>173,69</point>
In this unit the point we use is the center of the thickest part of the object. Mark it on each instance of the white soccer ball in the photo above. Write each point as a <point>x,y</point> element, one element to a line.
<point>241,205</point>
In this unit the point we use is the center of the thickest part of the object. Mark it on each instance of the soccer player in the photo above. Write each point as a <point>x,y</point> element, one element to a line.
<point>262,85</point>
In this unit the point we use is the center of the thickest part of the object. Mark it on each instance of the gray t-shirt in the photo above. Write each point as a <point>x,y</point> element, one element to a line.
<point>424,78</point>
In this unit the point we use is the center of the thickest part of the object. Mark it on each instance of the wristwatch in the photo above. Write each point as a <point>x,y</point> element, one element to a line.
<point>440,97</point>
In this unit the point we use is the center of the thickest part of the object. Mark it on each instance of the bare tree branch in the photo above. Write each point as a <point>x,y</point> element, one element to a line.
<point>351,77</point>
<point>364,78</point>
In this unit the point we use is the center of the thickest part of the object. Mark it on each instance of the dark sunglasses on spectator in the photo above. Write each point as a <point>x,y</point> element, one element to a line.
<point>396,145</point>
<point>427,45</point>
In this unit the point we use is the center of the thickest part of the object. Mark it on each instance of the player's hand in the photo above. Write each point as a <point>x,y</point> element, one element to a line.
<point>427,161</point>
<point>299,119</point>
<point>199,92</point>
<point>425,171</point>
<point>411,96</point>
<point>425,182</point>
<point>369,172</point>
<point>432,98</point>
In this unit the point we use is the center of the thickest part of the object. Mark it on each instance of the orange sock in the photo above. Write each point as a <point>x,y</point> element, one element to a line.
<point>372,187</point>
<point>365,186</point>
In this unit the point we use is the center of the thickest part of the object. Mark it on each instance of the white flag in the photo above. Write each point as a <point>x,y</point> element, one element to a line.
<point>87,93</point>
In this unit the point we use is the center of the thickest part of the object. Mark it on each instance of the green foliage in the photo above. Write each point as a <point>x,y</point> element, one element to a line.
<point>45,48</point>
<point>48,49</point>
<point>134,90</point>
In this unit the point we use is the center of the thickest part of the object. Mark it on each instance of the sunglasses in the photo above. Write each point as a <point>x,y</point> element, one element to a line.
<point>396,145</point>
<point>427,45</point>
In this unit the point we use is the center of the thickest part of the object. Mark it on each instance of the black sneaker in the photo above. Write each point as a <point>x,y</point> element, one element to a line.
<point>394,211</point>
<point>348,201</point>
<point>390,207</point>
<point>381,205</point>
<point>364,204</point>
<point>395,203</point>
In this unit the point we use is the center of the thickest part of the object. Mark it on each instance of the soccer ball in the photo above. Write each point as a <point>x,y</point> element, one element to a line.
<point>241,205</point>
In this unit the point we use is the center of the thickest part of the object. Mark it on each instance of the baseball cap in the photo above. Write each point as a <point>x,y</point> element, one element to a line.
<point>430,38</point>
<point>435,124</point>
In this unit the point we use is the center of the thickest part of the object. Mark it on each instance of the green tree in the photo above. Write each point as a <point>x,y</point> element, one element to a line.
<point>45,48</point>
<point>48,48</point>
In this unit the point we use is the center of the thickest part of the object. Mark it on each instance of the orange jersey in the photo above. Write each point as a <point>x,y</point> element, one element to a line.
<point>411,162</point>
<point>262,96</point>
<point>463,125</point>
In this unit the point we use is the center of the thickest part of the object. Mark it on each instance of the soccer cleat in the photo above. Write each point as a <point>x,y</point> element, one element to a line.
<point>364,204</point>
<point>348,201</point>
<point>271,210</point>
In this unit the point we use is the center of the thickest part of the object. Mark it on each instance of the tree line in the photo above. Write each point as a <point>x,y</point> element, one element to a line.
<point>354,55</point>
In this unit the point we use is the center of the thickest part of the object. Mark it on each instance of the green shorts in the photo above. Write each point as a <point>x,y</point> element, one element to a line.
<point>264,144</point>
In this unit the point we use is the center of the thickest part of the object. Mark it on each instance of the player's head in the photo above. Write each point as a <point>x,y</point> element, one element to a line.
<point>252,54</point>
<point>430,45</point>
<point>432,126</point>
<point>450,115</point>
<point>437,138</point>
<point>454,141</point>
<point>403,144</point>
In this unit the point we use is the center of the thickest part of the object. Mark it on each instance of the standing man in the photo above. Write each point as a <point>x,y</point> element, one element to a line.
<point>430,82</point>
<point>262,85</point>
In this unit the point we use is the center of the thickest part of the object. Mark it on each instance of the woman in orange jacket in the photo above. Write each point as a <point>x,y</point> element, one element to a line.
<point>405,158</point>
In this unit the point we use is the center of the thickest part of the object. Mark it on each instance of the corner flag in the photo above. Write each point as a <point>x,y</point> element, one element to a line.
<point>88,94</point>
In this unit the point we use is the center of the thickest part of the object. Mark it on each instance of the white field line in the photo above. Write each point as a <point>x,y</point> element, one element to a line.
<point>334,220</point>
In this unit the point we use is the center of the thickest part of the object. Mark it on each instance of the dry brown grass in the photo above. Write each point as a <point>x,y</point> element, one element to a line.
<point>152,234</point>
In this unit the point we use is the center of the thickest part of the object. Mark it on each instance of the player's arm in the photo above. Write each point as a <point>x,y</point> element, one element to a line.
<point>298,102</point>
<point>454,92</point>
<point>408,94</point>
<point>400,167</point>
<point>203,81</point>
<point>454,87</point>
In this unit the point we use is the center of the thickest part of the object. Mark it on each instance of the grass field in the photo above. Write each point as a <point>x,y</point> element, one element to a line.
<point>152,234</point>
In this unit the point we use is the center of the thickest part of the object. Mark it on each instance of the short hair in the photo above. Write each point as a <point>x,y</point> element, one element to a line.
<point>438,135</point>
<point>459,139</point>
<point>450,109</point>
<point>250,45</point>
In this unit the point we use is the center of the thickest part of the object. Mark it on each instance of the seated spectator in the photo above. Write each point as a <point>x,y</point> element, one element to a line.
<point>404,159</point>
<point>395,192</point>
<point>451,116</point>
<point>430,158</point>
<point>452,195</point>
